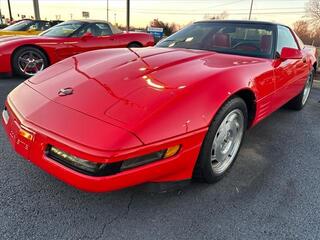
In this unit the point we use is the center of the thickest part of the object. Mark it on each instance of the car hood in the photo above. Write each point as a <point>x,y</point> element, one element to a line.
<point>6,38</point>
<point>126,86</point>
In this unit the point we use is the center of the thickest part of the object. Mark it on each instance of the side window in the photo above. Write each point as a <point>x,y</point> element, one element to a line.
<point>103,29</point>
<point>45,26</point>
<point>40,26</point>
<point>33,26</point>
<point>285,39</point>
<point>91,28</point>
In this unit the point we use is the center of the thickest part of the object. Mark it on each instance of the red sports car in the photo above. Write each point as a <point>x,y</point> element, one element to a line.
<point>110,119</point>
<point>25,56</point>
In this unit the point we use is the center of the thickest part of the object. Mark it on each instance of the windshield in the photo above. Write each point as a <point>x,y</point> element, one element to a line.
<point>19,26</point>
<point>63,29</point>
<point>248,39</point>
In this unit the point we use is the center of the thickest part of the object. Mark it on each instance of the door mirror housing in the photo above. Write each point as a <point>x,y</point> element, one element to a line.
<point>86,36</point>
<point>290,53</point>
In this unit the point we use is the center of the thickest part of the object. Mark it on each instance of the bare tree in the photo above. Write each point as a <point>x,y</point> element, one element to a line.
<point>221,16</point>
<point>307,32</point>
<point>315,36</point>
<point>313,11</point>
<point>168,28</point>
<point>302,29</point>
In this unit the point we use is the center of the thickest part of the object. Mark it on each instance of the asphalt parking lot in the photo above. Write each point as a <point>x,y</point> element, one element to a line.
<point>272,192</point>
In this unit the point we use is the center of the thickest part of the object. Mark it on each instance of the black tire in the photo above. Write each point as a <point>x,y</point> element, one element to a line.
<point>298,102</point>
<point>203,169</point>
<point>22,53</point>
<point>135,45</point>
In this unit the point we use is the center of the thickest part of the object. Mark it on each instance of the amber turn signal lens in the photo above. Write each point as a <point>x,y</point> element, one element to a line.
<point>172,151</point>
<point>25,134</point>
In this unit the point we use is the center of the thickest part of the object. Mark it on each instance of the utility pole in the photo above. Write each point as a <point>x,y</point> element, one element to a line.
<point>107,10</point>
<point>36,9</point>
<point>128,15</point>
<point>250,10</point>
<point>1,21</point>
<point>10,13</point>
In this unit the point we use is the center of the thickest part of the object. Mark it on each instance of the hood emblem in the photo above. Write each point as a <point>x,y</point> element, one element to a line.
<point>65,91</point>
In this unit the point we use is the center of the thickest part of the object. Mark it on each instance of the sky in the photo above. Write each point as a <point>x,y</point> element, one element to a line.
<point>181,12</point>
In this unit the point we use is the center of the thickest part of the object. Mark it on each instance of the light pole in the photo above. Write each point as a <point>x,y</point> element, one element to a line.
<point>128,15</point>
<point>36,9</point>
<point>1,22</point>
<point>10,13</point>
<point>250,9</point>
<point>107,10</point>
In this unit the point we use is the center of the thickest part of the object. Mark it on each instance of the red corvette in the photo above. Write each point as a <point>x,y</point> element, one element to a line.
<point>110,119</point>
<point>25,56</point>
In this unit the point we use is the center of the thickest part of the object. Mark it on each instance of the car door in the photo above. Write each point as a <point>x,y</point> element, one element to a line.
<point>96,36</point>
<point>290,74</point>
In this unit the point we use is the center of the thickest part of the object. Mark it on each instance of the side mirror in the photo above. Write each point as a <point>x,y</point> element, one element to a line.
<point>290,53</point>
<point>86,36</point>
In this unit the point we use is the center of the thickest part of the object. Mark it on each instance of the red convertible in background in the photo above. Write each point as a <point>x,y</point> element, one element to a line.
<point>25,56</point>
<point>110,119</point>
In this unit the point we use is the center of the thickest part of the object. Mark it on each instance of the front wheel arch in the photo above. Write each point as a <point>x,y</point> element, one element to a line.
<point>135,44</point>
<point>202,169</point>
<point>26,46</point>
<point>315,65</point>
<point>30,45</point>
<point>249,98</point>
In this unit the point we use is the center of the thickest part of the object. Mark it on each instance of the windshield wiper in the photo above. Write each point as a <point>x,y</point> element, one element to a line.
<point>189,39</point>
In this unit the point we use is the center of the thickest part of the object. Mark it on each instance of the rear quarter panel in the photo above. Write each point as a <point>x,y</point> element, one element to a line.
<point>125,39</point>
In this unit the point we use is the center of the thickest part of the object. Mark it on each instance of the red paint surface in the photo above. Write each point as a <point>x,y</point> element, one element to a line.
<point>129,103</point>
<point>59,48</point>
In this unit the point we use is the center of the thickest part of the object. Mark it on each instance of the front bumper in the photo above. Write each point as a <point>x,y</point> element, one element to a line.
<point>5,63</point>
<point>177,168</point>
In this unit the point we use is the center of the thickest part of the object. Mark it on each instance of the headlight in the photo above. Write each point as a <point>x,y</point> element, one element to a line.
<point>73,161</point>
<point>105,169</point>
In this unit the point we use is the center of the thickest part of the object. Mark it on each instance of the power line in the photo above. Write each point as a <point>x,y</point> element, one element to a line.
<point>183,11</point>
<point>203,13</point>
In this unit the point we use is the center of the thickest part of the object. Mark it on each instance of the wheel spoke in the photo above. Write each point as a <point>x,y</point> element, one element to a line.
<point>24,60</point>
<point>307,89</point>
<point>25,68</point>
<point>30,62</point>
<point>39,60</point>
<point>214,158</point>
<point>227,141</point>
